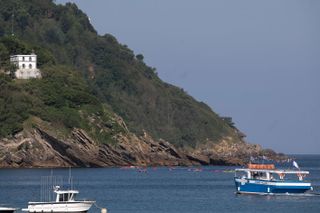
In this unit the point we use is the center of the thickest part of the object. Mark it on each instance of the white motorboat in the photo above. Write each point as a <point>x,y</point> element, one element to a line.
<point>7,210</point>
<point>65,202</point>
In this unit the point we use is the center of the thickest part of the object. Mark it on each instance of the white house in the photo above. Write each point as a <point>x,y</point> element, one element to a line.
<point>26,66</point>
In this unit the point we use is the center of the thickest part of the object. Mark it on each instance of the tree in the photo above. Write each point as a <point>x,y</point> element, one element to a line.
<point>11,69</point>
<point>140,57</point>
<point>3,55</point>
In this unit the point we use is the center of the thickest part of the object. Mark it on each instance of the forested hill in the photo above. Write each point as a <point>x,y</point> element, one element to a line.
<point>84,72</point>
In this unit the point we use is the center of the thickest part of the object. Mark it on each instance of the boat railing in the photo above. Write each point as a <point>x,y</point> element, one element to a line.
<point>268,174</point>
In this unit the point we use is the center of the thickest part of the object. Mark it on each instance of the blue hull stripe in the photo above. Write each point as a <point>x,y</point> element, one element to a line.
<point>265,188</point>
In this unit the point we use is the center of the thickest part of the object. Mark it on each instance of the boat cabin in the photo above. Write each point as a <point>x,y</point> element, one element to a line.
<point>65,195</point>
<point>268,172</point>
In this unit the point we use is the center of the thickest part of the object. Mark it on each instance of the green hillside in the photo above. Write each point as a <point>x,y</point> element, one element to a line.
<point>87,73</point>
<point>61,98</point>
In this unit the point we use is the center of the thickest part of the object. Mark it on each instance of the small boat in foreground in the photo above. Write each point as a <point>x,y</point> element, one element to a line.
<point>7,210</point>
<point>266,179</point>
<point>65,202</point>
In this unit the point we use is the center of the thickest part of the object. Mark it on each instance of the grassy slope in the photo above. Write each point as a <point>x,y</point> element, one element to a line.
<point>110,71</point>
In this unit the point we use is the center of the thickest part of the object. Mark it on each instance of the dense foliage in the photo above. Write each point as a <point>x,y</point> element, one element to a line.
<point>61,97</point>
<point>111,73</point>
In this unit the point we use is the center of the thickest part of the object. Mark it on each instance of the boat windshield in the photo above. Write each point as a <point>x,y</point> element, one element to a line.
<point>258,175</point>
<point>241,174</point>
<point>67,197</point>
<point>262,175</point>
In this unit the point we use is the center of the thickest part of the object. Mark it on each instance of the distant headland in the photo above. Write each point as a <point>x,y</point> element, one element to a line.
<point>95,103</point>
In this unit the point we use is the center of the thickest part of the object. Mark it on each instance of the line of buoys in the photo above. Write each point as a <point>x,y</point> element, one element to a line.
<point>190,169</point>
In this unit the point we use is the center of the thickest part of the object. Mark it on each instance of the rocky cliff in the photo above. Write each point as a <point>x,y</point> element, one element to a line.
<point>40,148</point>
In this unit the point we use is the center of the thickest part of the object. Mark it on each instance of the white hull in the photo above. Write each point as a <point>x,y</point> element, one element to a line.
<point>7,210</point>
<point>57,207</point>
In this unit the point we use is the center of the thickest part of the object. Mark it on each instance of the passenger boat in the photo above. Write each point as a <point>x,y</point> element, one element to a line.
<point>65,202</point>
<point>266,179</point>
<point>7,210</point>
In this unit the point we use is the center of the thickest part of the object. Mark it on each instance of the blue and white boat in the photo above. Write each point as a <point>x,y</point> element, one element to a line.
<point>266,179</point>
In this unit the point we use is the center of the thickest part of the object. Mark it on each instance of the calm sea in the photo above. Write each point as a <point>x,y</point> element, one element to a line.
<point>179,190</point>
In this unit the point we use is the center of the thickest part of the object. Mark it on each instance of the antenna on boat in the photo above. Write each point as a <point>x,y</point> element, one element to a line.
<point>70,178</point>
<point>50,184</point>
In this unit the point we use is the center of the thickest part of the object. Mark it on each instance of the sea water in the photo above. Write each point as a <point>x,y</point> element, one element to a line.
<point>165,190</point>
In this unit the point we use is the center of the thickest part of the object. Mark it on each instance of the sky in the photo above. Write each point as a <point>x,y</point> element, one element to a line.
<point>257,61</point>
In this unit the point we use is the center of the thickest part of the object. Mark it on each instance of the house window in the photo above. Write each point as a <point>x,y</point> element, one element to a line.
<point>23,58</point>
<point>30,66</point>
<point>23,66</point>
<point>30,59</point>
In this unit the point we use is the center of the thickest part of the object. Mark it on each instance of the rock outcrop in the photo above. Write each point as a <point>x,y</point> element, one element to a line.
<point>39,148</point>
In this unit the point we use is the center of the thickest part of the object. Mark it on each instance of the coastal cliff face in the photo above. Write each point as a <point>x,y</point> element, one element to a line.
<point>39,148</point>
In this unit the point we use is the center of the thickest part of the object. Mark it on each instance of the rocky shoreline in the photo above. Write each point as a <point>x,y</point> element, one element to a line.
<point>38,148</point>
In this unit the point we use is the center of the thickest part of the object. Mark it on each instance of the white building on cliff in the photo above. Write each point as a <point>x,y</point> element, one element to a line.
<point>26,66</point>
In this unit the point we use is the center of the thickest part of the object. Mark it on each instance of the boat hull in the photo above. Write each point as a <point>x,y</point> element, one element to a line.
<point>7,210</point>
<point>252,186</point>
<point>59,207</point>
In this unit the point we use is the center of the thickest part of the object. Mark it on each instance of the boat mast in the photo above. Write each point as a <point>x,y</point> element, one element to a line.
<point>70,179</point>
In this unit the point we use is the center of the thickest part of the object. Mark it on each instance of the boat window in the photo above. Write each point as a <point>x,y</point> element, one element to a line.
<point>72,196</point>
<point>258,175</point>
<point>271,177</point>
<point>240,174</point>
<point>64,197</point>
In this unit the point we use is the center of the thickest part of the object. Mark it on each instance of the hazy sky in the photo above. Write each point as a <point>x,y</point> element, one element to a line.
<point>257,61</point>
